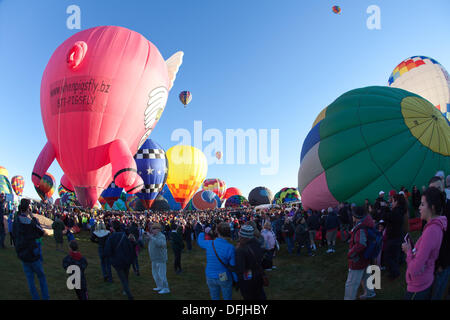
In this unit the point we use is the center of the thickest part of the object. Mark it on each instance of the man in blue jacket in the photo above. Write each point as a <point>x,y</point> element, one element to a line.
<point>220,254</point>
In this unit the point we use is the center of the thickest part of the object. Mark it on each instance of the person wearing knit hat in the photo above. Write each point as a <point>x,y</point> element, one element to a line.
<point>247,231</point>
<point>248,268</point>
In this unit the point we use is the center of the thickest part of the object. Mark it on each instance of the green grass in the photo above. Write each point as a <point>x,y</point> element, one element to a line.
<point>307,278</point>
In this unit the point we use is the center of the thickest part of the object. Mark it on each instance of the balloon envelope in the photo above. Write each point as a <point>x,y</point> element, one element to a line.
<point>286,195</point>
<point>368,140</point>
<point>160,204</point>
<point>215,185</point>
<point>232,192</point>
<point>427,78</point>
<point>187,171</point>
<point>166,194</point>
<point>152,166</point>
<point>204,200</point>
<point>185,97</point>
<point>111,194</point>
<point>260,195</point>
<point>236,201</point>
<point>46,187</point>
<point>18,183</point>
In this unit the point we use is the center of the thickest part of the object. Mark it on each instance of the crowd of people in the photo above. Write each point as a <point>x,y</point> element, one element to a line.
<point>121,236</point>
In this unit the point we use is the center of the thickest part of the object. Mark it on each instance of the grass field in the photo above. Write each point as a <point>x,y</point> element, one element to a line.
<point>321,277</point>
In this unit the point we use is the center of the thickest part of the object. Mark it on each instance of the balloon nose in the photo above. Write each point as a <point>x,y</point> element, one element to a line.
<point>76,54</point>
<point>88,196</point>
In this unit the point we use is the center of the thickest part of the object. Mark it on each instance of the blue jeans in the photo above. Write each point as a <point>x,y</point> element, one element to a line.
<point>123,272</point>
<point>30,268</point>
<point>422,295</point>
<point>290,244</point>
<point>215,286</point>
<point>440,284</point>
<point>105,264</point>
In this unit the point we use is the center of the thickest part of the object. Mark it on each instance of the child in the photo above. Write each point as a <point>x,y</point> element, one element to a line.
<point>75,258</point>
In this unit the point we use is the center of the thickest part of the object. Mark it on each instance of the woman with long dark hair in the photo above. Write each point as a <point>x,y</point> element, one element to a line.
<point>421,257</point>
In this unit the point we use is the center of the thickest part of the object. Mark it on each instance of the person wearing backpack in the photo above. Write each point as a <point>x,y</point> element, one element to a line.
<point>120,249</point>
<point>357,262</point>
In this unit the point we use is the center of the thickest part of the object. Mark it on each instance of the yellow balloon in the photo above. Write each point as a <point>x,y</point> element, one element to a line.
<point>187,171</point>
<point>3,172</point>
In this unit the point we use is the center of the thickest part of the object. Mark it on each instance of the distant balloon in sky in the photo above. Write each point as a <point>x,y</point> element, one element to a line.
<point>18,183</point>
<point>185,97</point>
<point>336,9</point>
<point>427,78</point>
<point>187,171</point>
<point>372,139</point>
<point>218,155</point>
<point>102,93</point>
<point>152,166</point>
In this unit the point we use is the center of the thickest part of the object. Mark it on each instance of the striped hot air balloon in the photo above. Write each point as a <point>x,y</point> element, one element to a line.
<point>17,184</point>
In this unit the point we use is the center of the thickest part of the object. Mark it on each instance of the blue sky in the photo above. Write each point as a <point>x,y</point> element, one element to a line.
<point>249,64</point>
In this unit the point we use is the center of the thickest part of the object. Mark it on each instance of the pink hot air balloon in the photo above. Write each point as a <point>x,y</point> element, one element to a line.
<point>102,93</point>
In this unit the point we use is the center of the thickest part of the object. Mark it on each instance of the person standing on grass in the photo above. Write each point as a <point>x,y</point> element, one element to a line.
<point>421,257</point>
<point>220,258</point>
<point>157,249</point>
<point>58,229</point>
<point>2,222</point>
<point>121,251</point>
<point>357,264</point>
<point>100,235</point>
<point>76,259</point>
<point>269,245</point>
<point>249,255</point>
<point>332,224</point>
<point>26,231</point>
<point>177,244</point>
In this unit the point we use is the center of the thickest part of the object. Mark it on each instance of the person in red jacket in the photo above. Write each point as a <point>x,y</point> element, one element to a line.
<point>357,264</point>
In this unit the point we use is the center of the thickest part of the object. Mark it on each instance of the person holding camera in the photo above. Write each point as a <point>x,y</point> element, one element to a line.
<point>220,258</point>
<point>421,257</point>
<point>26,231</point>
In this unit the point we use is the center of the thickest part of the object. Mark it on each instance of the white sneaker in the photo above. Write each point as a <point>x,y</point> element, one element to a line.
<point>164,291</point>
<point>268,269</point>
<point>274,267</point>
<point>157,289</point>
<point>329,251</point>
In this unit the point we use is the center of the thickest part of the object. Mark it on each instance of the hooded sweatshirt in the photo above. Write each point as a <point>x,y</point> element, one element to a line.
<point>421,263</point>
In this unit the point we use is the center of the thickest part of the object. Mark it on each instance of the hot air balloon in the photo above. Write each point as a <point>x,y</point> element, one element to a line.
<point>102,93</point>
<point>133,203</point>
<point>286,195</point>
<point>215,185</point>
<point>336,9</point>
<point>4,172</point>
<point>18,183</point>
<point>427,78</point>
<point>232,192</point>
<point>188,168</point>
<point>152,166</point>
<point>260,195</point>
<point>236,201</point>
<point>218,155</point>
<point>119,205</point>
<point>111,194</point>
<point>185,97</point>
<point>204,200</point>
<point>160,204</point>
<point>46,187</point>
<point>372,139</point>
<point>166,194</point>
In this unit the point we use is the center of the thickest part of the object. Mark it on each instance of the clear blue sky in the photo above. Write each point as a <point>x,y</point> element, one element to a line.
<point>249,64</point>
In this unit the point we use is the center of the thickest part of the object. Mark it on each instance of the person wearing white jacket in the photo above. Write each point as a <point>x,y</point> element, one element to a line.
<point>157,249</point>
